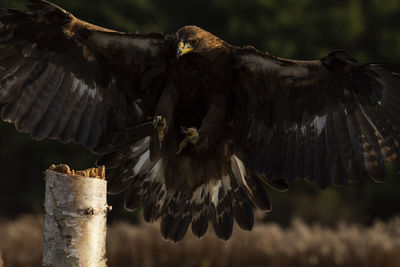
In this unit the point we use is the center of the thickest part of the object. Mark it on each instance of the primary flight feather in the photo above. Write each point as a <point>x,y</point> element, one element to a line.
<point>189,126</point>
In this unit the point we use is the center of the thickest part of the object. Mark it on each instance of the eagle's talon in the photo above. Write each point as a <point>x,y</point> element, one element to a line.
<point>192,136</point>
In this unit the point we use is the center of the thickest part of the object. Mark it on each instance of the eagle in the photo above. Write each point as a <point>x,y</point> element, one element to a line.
<point>190,127</point>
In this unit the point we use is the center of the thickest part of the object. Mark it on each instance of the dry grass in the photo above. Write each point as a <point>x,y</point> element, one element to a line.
<point>21,241</point>
<point>266,245</point>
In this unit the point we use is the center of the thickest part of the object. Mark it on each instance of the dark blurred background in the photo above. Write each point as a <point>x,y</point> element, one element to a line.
<point>302,29</point>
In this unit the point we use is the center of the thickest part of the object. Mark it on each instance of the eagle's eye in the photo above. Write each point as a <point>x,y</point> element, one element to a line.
<point>193,42</point>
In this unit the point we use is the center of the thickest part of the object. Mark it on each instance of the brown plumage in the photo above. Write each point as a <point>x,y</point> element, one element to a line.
<point>189,126</point>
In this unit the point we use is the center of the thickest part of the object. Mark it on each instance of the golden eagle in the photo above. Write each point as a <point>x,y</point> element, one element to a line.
<point>189,126</point>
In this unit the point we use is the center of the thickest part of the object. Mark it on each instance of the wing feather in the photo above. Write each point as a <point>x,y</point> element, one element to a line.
<point>66,79</point>
<point>330,121</point>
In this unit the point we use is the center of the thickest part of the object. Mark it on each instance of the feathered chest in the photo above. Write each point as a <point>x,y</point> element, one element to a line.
<point>198,79</point>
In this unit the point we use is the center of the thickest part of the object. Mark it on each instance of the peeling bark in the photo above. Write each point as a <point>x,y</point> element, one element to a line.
<point>75,219</point>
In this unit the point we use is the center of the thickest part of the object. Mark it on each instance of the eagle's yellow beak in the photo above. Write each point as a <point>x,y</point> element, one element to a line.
<point>183,49</point>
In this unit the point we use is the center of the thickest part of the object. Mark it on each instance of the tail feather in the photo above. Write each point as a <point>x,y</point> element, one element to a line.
<point>177,218</point>
<point>200,210</point>
<point>132,198</point>
<point>251,184</point>
<point>115,184</point>
<point>223,223</point>
<point>222,217</point>
<point>242,210</point>
<point>200,223</point>
<point>220,200</point>
<point>123,167</point>
<point>154,194</point>
<point>148,188</point>
<point>120,178</point>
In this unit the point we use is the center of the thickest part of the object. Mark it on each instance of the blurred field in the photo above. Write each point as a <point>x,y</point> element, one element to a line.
<point>302,29</point>
<point>266,245</point>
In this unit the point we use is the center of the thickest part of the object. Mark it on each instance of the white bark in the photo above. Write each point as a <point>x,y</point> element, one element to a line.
<point>75,220</point>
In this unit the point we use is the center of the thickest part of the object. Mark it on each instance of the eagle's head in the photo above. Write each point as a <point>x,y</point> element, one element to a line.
<point>193,39</point>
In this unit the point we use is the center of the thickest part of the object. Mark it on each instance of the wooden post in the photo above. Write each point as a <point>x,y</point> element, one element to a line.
<point>75,217</point>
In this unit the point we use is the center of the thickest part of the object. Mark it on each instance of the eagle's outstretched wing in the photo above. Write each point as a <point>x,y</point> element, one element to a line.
<point>330,121</point>
<point>66,79</point>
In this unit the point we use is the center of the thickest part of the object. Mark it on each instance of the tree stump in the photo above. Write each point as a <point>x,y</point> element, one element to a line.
<point>75,217</point>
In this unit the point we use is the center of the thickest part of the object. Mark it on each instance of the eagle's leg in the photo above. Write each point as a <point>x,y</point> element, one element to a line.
<point>204,136</point>
<point>192,136</point>
<point>161,128</point>
<point>162,121</point>
<point>157,138</point>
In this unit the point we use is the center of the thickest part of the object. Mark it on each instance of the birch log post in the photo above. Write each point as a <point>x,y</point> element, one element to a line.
<point>75,217</point>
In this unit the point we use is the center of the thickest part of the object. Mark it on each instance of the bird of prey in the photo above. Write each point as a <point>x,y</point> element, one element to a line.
<point>189,126</point>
